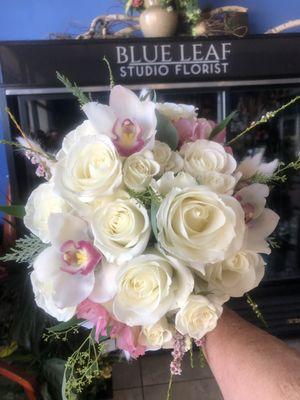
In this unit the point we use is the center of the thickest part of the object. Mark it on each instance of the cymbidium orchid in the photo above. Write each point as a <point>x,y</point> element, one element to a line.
<point>260,221</point>
<point>67,266</point>
<point>129,122</point>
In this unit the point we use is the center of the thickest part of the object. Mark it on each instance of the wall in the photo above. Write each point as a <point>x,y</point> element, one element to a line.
<point>35,19</point>
<point>266,14</point>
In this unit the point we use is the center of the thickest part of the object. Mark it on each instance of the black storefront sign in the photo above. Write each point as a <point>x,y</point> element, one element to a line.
<point>136,61</point>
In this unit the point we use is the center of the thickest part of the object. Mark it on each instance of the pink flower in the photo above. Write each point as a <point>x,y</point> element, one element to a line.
<point>192,130</point>
<point>137,3</point>
<point>127,338</point>
<point>96,314</point>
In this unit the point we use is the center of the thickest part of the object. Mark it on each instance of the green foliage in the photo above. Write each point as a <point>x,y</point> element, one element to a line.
<point>74,89</point>
<point>256,310</point>
<point>166,131</point>
<point>222,125</point>
<point>279,175</point>
<point>265,118</point>
<point>202,359</point>
<point>190,9</point>
<point>25,250</point>
<point>111,77</point>
<point>146,198</point>
<point>87,363</point>
<point>63,330</point>
<point>153,213</point>
<point>15,211</point>
<point>273,242</point>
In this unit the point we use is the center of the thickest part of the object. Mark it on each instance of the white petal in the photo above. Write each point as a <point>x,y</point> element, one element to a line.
<point>259,229</point>
<point>105,283</point>
<point>70,290</point>
<point>101,117</point>
<point>43,298</point>
<point>255,195</point>
<point>47,264</point>
<point>123,101</point>
<point>63,227</point>
<point>268,168</point>
<point>249,165</point>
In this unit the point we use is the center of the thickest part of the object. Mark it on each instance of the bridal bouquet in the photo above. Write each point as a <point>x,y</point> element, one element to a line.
<point>145,225</point>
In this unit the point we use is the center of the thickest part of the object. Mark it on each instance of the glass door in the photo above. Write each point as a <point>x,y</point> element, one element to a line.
<point>279,138</point>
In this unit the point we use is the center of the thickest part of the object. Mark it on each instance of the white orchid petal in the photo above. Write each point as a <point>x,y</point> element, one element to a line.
<point>64,227</point>
<point>70,290</point>
<point>124,102</point>
<point>255,195</point>
<point>44,300</point>
<point>259,229</point>
<point>47,264</point>
<point>101,117</point>
<point>105,283</point>
<point>268,168</point>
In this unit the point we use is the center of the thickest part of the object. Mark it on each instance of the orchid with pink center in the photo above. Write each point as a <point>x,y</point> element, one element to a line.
<point>129,122</point>
<point>80,257</point>
<point>64,272</point>
<point>201,128</point>
<point>260,221</point>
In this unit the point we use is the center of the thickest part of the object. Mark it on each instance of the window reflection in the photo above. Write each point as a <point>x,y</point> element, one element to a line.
<point>279,138</point>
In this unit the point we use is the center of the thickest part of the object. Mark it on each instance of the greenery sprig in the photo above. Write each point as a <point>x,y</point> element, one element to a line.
<point>273,242</point>
<point>265,118</point>
<point>279,175</point>
<point>25,250</point>
<point>111,77</point>
<point>74,89</point>
<point>24,148</point>
<point>146,198</point>
<point>256,310</point>
<point>88,362</point>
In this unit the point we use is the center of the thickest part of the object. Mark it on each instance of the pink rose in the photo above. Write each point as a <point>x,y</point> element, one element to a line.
<point>192,130</point>
<point>96,314</point>
<point>127,338</point>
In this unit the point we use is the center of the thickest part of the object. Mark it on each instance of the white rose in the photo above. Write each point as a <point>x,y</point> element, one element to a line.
<point>157,336</point>
<point>219,183</point>
<point>138,171</point>
<point>162,154</point>
<point>148,287</point>
<point>205,155</point>
<point>168,181</point>
<point>89,169</point>
<point>41,203</point>
<point>198,226</point>
<point>175,163</point>
<point>43,293</point>
<point>197,317</point>
<point>236,275</point>
<point>174,111</point>
<point>83,130</point>
<point>121,229</point>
